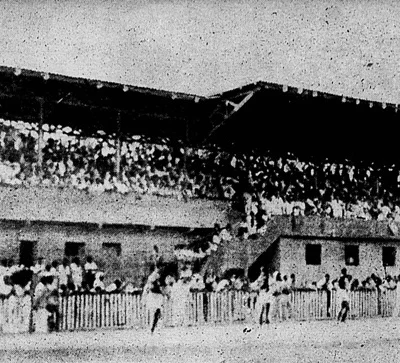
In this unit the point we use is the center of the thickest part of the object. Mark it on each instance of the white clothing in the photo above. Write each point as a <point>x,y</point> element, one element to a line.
<point>112,287</point>
<point>3,271</point>
<point>38,268</point>
<point>63,273</point>
<point>222,285</point>
<point>76,272</point>
<point>98,284</point>
<point>91,266</point>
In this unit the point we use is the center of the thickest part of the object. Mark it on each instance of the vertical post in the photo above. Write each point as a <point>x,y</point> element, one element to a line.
<point>246,271</point>
<point>185,147</point>
<point>40,138</point>
<point>118,147</point>
<point>31,313</point>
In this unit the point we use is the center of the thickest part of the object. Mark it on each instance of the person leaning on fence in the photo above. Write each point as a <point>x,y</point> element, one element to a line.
<point>197,283</point>
<point>52,307</point>
<point>76,273</point>
<point>114,287</point>
<point>90,269</point>
<point>98,284</point>
<point>41,314</point>
<point>343,297</point>
<point>64,273</point>
<point>47,271</point>
<point>388,283</point>
<point>293,282</point>
<point>39,266</point>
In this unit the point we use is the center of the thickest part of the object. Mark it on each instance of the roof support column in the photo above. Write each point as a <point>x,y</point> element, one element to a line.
<point>118,147</point>
<point>40,141</point>
<point>185,147</point>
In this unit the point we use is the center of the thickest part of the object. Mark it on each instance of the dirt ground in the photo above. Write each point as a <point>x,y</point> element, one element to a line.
<point>374,340</point>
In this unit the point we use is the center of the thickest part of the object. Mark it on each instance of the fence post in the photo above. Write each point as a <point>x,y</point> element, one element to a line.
<point>396,301</point>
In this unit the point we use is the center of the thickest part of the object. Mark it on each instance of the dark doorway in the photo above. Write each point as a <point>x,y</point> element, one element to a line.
<point>74,249</point>
<point>27,253</point>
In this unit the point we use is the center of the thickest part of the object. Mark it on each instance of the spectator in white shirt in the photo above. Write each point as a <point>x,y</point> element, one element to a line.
<point>114,287</point>
<point>76,273</point>
<point>64,272</point>
<point>222,285</point>
<point>324,283</point>
<point>98,285</point>
<point>39,266</point>
<point>197,282</point>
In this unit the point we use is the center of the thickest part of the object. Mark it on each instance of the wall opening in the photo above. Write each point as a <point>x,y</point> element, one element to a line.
<point>27,253</point>
<point>74,249</point>
<point>351,255</point>
<point>389,256</point>
<point>313,254</point>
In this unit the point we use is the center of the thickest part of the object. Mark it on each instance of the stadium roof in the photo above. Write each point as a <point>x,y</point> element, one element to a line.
<point>264,116</point>
<point>92,105</point>
<point>277,117</point>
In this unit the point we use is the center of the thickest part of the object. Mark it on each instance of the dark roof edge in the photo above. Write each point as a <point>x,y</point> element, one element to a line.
<point>59,77</point>
<point>343,238</point>
<point>301,91</point>
<point>106,226</point>
<point>236,92</point>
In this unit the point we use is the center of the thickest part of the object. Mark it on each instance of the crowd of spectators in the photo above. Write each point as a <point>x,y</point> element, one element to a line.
<point>259,185</point>
<point>236,281</point>
<point>70,159</point>
<point>201,248</point>
<point>65,278</point>
<point>370,283</point>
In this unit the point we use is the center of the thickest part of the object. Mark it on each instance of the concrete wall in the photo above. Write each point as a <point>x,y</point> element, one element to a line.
<point>136,246</point>
<point>71,205</point>
<point>293,257</point>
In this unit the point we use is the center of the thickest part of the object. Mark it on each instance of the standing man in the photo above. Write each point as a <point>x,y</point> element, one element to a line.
<point>343,296</point>
<point>153,298</point>
<point>39,305</point>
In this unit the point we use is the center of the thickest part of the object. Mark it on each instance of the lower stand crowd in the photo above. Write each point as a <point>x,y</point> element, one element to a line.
<point>71,278</point>
<point>43,285</point>
<point>65,278</point>
<point>273,291</point>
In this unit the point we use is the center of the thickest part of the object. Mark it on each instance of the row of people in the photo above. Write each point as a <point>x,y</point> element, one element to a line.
<point>67,278</point>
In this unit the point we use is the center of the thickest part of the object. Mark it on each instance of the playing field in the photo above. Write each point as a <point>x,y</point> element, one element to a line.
<point>375,340</point>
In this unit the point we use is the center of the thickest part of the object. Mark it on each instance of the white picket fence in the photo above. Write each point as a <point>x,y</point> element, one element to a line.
<point>15,314</point>
<point>125,310</point>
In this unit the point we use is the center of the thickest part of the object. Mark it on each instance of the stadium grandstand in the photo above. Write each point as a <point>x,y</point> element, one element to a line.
<point>86,160</point>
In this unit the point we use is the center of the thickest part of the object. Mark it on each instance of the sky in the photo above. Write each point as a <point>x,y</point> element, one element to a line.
<point>207,47</point>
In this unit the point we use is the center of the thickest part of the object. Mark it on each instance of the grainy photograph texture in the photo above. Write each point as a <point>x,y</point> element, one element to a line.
<point>199,181</point>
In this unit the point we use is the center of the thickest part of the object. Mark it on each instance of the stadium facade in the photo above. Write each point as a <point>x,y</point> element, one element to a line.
<point>121,230</point>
